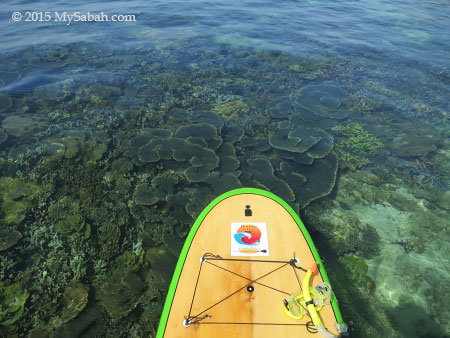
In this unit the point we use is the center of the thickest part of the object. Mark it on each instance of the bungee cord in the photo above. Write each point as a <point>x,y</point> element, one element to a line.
<point>208,257</point>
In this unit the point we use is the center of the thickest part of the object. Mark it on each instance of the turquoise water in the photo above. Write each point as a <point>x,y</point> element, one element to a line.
<point>115,135</point>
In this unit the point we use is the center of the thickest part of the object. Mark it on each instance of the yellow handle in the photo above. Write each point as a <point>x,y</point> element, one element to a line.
<point>307,296</point>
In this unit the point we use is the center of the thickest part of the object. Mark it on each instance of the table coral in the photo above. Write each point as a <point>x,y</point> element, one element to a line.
<point>281,108</point>
<point>323,100</point>
<point>24,125</point>
<point>8,238</point>
<point>73,224</point>
<point>15,198</point>
<point>12,306</point>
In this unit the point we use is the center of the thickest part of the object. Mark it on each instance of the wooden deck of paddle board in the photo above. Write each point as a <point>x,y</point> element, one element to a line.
<point>263,305</point>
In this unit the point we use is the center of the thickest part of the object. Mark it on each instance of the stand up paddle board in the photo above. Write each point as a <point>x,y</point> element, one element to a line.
<point>249,268</point>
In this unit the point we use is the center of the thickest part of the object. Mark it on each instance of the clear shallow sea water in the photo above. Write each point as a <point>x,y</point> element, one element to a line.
<point>74,96</point>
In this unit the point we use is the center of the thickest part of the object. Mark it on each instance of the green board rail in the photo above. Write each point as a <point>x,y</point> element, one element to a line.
<point>193,231</point>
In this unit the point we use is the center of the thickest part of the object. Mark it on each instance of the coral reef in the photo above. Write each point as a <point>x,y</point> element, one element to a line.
<point>356,145</point>
<point>260,171</point>
<point>12,306</point>
<point>200,150</point>
<point>201,160</point>
<point>5,102</point>
<point>394,233</point>
<point>231,110</point>
<point>355,269</point>
<point>120,293</point>
<point>369,244</point>
<point>74,300</point>
<point>106,163</point>
<point>3,136</point>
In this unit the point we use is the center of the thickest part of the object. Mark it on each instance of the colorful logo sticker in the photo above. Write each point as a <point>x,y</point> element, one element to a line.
<point>248,234</point>
<point>249,239</point>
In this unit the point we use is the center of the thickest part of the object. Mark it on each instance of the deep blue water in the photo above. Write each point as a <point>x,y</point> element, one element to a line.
<point>403,30</point>
<point>112,80</point>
